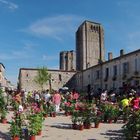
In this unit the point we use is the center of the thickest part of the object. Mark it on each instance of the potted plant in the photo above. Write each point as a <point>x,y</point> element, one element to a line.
<point>105,109</point>
<point>40,120</point>
<point>74,119</point>
<point>45,110</point>
<point>88,119</point>
<point>3,116</point>
<point>126,114</point>
<point>97,118</point>
<point>67,108</point>
<point>15,130</point>
<point>52,110</point>
<point>80,123</point>
<point>33,126</point>
<point>116,113</point>
<point>131,129</point>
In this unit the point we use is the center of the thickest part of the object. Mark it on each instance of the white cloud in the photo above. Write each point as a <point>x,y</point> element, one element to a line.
<point>14,55</point>
<point>57,27</point>
<point>10,5</point>
<point>49,58</point>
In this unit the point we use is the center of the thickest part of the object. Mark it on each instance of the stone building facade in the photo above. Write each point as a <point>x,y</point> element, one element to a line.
<point>4,83</point>
<point>93,72</point>
<point>2,78</point>
<point>59,78</point>
<point>67,60</point>
<point>112,74</point>
<point>89,45</point>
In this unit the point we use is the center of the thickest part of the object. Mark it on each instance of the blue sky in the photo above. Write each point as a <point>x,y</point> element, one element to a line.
<point>33,32</point>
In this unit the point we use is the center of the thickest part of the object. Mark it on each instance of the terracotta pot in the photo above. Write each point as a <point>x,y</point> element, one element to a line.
<point>54,114</point>
<point>15,138</point>
<point>32,137</point>
<point>87,126</point>
<point>39,133</point>
<point>4,121</point>
<point>125,121</point>
<point>45,115</point>
<point>74,126</point>
<point>81,127</point>
<point>115,120</point>
<point>110,121</point>
<point>67,113</point>
<point>97,125</point>
<point>51,115</point>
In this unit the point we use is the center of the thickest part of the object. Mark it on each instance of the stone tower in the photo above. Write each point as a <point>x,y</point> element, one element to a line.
<point>89,45</point>
<point>67,60</point>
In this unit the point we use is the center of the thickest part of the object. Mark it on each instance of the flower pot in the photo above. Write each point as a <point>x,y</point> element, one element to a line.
<point>105,119</point>
<point>87,126</point>
<point>74,126</point>
<point>15,138</point>
<point>115,120</point>
<point>54,114</point>
<point>32,137</point>
<point>45,115</point>
<point>39,133</point>
<point>51,115</point>
<point>97,125</point>
<point>81,127</point>
<point>124,120</point>
<point>67,113</point>
<point>110,121</point>
<point>4,121</point>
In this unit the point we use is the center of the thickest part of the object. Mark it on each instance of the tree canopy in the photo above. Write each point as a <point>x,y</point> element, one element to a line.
<point>42,77</point>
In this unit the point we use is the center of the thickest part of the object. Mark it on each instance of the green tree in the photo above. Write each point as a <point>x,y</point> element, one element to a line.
<point>42,77</point>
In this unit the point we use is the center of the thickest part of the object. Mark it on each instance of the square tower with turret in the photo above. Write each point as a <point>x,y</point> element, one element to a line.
<point>89,45</point>
<point>67,60</point>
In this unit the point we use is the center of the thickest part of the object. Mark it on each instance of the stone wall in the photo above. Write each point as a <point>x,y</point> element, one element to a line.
<point>58,79</point>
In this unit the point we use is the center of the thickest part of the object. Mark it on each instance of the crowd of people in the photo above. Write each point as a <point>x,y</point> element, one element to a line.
<point>130,98</point>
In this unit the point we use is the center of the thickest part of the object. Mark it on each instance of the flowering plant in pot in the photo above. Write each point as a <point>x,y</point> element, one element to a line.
<point>33,125</point>
<point>15,130</point>
<point>108,112</point>
<point>45,110</point>
<point>16,126</point>
<point>51,110</point>
<point>67,108</point>
<point>74,119</point>
<point>126,113</point>
<point>3,116</point>
<point>80,122</point>
<point>116,113</point>
<point>97,118</point>
<point>88,114</point>
<point>131,129</point>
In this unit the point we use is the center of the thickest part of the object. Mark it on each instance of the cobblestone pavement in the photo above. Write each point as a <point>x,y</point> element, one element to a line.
<point>60,128</point>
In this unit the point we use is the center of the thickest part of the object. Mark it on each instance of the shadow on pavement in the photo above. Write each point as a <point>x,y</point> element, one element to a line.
<point>62,126</point>
<point>4,136</point>
<point>114,135</point>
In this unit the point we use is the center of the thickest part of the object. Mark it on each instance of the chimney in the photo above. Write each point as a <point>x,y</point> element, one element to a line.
<point>121,52</point>
<point>110,56</point>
